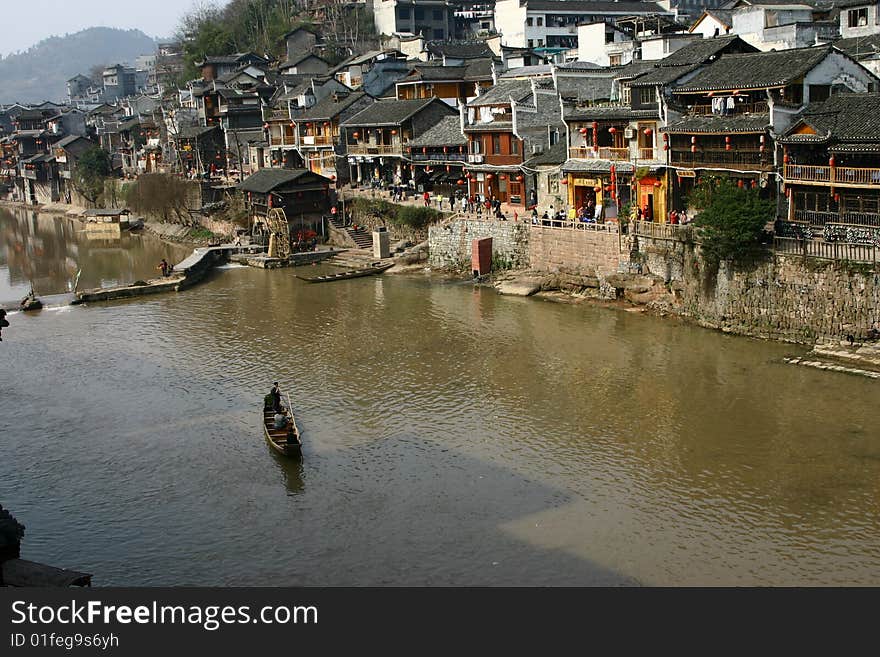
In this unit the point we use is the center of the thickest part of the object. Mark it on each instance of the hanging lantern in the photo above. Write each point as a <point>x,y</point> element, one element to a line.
<point>445,149</point>
<point>327,124</point>
<point>448,168</point>
<point>503,177</point>
<point>832,162</point>
<point>583,131</point>
<point>424,151</point>
<point>607,188</point>
<point>309,124</point>
<point>460,182</point>
<point>658,184</point>
<point>489,176</point>
<point>693,148</point>
<point>787,193</point>
<point>394,132</point>
<point>693,140</point>
<point>293,124</point>
<point>785,156</point>
<point>754,184</point>
<point>740,183</point>
<point>265,126</point>
<point>356,135</point>
<point>612,130</point>
<point>727,143</point>
<point>468,176</point>
<point>648,132</point>
<point>836,198</point>
<point>597,189</point>
<point>461,149</point>
<point>519,179</point>
<point>564,181</point>
<point>762,139</point>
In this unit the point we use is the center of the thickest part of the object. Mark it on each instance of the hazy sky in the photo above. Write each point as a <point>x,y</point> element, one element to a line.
<point>27,22</point>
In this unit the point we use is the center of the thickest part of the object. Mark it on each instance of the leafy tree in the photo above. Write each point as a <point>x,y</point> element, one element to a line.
<point>731,220</point>
<point>91,170</point>
<point>162,196</point>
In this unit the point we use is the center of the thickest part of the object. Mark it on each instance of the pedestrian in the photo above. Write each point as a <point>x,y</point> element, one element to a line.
<point>683,218</point>
<point>427,197</point>
<point>3,323</point>
<point>673,217</point>
<point>463,204</point>
<point>164,268</point>
<point>275,394</point>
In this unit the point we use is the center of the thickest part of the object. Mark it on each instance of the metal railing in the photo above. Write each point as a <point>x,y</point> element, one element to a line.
<point>827,250</point>
<point>661,231</point>
<point>569,224</point>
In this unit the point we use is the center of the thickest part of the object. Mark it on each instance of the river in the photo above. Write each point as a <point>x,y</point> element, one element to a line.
<point>452,436</point>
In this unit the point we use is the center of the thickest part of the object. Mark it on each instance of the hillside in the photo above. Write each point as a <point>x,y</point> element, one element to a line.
<point>40,73</point>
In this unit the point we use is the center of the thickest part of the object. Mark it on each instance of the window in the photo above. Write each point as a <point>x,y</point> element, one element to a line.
<point>475,146</point>
<point>646,95</point>
<point>609,37</point>
<point>529,22</point>
<point>858,17</point>
<point>615,60</point>
<point>438,15</point>
<point>514,146</point>
<point>439,34</point>
<point>496,144</point>
<point>540,42</point>
<point>531,43</point>
<point>625,94</point>
<point>540,21</point>
<point>420,14</point>
<point>819,92</point>
<point>403,13</point>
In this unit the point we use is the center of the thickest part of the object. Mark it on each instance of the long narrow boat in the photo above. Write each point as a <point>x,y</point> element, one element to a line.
<point>351,273</point>
<point>285,441</point>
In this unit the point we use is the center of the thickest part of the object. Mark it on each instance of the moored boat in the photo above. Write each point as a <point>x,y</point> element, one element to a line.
<point>285,441</point>
<point>351,273</point>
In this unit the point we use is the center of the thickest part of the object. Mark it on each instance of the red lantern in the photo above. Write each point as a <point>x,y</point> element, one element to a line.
<point>489,176</point>
<point>597,189</point>
<point>445,150</point>
<point>607,188</point>
<point>612,130</point>
<point>519,179</point>
<point>424,150</point>
<point>648,131</point>
<point>448,168</point>
<point>503,177</point>
<point>327,123</point>
<point>265,126</point>
<point>693,149</point>
<point>394,132</point>
<point>836,198</point>
<point>461,149</point>
<point>787,193</point>
<point>739,183</point>
<point>583,131</point>
<point>460,182</point>
<point>658,184</point>
<point>564,181</point>
<point>727,143</point>
<point>468,176</point>
<point>831,161</point>
<point>356,135</point>
<point>293,124</point>
<point>693,140</point>
<point>785,157</point>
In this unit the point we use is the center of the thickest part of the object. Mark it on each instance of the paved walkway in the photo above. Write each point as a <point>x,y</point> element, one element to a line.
<point>416,200</point>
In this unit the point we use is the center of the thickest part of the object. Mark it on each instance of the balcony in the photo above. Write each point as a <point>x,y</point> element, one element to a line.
<point>316,140</point>
<point>602,153</point>
<point>741,108</point>
<point>276,115</point>
<point>374,149</point>
<point>440,157</point>
<point>286,140</point>
<point>712,157</point>
<point>828,176</point>
<point>819,218</point>
<point>646,153</point>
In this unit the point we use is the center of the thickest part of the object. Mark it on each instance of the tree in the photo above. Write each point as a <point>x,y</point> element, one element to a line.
<point>162,196</point>
<point>90,172</point>
<point>732,218</point>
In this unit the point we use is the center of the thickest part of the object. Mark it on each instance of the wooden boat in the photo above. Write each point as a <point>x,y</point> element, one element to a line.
<point>375,268</point>
<point>285,441</point>
<point>30,302</point>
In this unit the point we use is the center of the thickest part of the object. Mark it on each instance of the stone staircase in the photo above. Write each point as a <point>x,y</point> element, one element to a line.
<point>362,238</point>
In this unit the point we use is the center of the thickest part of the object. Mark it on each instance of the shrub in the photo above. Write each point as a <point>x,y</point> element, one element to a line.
<point>732,219</point>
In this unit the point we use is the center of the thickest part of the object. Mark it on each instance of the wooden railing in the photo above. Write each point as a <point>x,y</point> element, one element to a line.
<point>602,153</point>
<point>863,177</point>
<point>316,140</point>
<point>740,158</point>
<point>827,250</point>
<point>646,153</point>
<point>739,108</point>
<point>276,115</point>
<point>370,149</point>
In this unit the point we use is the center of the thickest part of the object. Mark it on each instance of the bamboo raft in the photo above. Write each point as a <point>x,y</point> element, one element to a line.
<point>376,268</point>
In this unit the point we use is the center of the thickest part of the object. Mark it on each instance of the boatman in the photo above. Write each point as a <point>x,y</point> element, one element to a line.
<point>275,393</point>
<point>3,323</point>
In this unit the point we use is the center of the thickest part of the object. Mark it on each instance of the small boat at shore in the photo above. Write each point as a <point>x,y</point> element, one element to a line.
<point>375,268</point>
<point>30,302</point>
<point>285,441</point>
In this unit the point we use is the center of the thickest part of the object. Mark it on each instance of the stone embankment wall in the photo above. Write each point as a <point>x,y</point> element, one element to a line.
<point>449,244</point>
<point>590,252</point>
<point>781,297</point>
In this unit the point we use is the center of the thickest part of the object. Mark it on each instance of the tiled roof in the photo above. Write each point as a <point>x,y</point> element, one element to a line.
<point>388,112</point>
<point>597,166</point>
<point>265,180</point>
<point>688,58</point>
<point>433,72</point>
<point>709,123</point>
<point>860,47</point>
<point>756,70</point>
<point>459,49</point>
<point>842,118</point>
<point>597,6</point>
<point>76,145</point>
<point>447,132</point>
<point>194,131</point>
<point>583,88</point>
<point>556,154</point>
<point>329,107</point>
<point>478,69</point>
<point>501,93</point>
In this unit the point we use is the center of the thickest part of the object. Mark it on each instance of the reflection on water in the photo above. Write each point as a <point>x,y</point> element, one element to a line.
<point>47,251</point>
<point>451,436</point>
